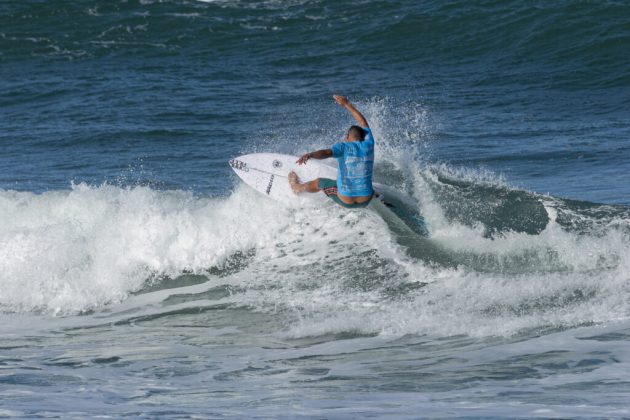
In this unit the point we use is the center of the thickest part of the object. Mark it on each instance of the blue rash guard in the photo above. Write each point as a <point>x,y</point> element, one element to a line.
<point>356,161</point>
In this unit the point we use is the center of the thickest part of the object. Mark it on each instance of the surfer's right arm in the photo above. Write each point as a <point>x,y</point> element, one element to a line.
<point>345,103</point>
<point>320,154</point>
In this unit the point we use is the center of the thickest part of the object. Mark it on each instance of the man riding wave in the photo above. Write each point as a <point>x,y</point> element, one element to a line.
<point>355,157</point>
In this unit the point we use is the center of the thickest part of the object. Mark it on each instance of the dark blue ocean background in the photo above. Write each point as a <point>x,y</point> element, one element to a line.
<point>138,276</point>
<point>535,91</point>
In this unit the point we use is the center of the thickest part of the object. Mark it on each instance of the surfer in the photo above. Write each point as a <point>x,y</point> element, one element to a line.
<point>355,157</point>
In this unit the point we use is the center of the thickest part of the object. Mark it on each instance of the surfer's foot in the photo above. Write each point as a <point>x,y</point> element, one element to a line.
<point>295,183</point>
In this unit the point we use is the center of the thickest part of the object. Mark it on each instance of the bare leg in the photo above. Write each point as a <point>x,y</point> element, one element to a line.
<point>297,187</point>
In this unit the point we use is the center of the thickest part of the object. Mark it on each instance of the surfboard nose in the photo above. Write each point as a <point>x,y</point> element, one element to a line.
<point>238,165</point>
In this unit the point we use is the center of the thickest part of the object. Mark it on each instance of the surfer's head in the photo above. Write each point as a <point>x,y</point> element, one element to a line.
<point>355,133</point>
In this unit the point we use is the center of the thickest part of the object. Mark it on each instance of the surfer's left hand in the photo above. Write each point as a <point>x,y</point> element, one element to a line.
<point>302,160</point>
<point>340,100</point>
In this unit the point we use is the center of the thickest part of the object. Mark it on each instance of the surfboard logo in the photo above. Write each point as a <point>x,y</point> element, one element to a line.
<point>276,164</point>
<point>270,184</point>
<point>237,164</point>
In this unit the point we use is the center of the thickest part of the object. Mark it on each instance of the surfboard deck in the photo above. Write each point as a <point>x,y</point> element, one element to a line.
<point>268,174</point>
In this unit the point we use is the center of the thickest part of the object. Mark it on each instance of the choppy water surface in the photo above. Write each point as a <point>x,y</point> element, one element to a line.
<point>139,277</point>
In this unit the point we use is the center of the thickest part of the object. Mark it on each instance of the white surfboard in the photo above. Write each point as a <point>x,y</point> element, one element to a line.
<point>268,174</point>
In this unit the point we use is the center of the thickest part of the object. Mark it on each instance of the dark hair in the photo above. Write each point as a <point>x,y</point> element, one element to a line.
<point>356,132</point>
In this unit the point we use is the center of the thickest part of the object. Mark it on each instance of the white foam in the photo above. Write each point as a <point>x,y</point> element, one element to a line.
<point>69,251</point>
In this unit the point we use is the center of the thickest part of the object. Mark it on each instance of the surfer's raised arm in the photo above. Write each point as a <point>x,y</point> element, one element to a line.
<point>355,159</point>
<point>345,103</point>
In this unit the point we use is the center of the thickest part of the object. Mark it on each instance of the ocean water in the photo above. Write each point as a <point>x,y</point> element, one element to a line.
<point>140,278</point>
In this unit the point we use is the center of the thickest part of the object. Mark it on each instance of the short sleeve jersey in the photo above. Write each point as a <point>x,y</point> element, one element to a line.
<point>356,162</point>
